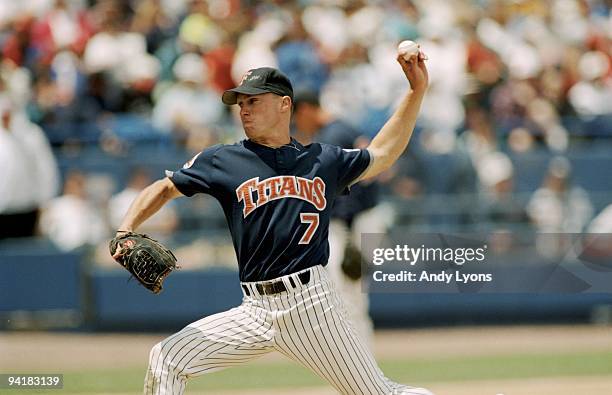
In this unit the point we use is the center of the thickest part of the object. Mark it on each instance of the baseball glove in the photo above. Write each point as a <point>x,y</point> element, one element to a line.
<point>146,259</point>
<point>351,264</point>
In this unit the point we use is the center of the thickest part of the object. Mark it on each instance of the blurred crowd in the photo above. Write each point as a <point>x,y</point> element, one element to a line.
<point>506,77</point>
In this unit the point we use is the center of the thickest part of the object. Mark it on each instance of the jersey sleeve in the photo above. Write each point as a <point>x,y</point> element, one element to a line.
<point>352,163</point>
<point>197,175</point>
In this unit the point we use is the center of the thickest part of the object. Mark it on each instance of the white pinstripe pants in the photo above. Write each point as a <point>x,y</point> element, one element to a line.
<point>307,323</point>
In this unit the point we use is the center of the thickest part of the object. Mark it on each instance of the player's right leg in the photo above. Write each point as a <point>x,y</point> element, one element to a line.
<point>210,344</point>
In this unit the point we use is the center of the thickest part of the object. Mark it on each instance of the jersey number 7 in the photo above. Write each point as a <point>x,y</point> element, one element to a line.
<point>312,219</point>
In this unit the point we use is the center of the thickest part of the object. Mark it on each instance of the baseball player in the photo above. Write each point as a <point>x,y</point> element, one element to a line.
<point>277,196</point>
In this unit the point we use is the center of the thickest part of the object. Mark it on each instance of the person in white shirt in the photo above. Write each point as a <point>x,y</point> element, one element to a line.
<point>71,221</point>
<point>159,225</point>
<point>30,176</point>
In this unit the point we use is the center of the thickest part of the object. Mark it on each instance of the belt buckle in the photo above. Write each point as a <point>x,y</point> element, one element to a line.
<point>278,287</point>
<point>270,288</point>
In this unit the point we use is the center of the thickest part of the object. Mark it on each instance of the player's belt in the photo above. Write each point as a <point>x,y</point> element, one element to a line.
<point>276,287</point>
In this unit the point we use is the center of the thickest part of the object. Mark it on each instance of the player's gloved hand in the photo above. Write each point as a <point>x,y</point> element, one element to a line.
<point>351,264</point>
<point>145,258</point>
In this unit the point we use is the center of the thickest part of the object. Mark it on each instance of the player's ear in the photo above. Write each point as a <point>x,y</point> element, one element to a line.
<point>286,104</point>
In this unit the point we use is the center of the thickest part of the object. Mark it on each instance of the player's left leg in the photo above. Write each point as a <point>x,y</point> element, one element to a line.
<point>314,330</point>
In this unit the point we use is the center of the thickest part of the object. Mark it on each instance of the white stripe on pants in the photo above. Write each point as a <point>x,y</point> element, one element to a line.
<point>307,323</point>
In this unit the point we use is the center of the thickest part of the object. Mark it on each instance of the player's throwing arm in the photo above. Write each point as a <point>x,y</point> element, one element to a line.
<point>392,139</point>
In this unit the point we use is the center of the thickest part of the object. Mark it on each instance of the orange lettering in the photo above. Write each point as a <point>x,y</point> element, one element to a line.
<point>243,193</point>
<point>273,184</point>
<point>288,188</point>
<point>319,195</point>
<point>312,191</point>
<point>262,196</point>
<point>305,188</point>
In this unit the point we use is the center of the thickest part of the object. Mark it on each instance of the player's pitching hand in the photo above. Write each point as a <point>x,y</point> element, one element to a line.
<point>415,70</point>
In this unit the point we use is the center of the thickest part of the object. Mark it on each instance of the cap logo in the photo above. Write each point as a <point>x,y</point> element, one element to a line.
<point>245,76</point>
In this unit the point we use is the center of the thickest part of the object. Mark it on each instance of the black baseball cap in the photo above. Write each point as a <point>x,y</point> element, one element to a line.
<point>258,81</point>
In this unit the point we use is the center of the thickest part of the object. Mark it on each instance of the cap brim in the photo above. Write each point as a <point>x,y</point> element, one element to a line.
<point>230,96</point>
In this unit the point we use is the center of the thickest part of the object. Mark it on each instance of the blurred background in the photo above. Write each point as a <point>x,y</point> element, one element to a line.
<point>98,98</point>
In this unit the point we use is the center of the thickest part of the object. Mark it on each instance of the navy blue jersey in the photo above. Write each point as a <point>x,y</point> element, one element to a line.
<point>277,202</point>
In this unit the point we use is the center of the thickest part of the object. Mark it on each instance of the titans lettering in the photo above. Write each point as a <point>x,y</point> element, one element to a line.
<point>280,187</point>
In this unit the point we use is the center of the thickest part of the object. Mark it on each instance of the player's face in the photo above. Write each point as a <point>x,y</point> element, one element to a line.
<point>260,113</point>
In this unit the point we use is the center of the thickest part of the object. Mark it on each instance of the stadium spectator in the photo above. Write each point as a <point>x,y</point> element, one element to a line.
<point>254,46</point>
<point>71,221</point>
<point>558,206</point>
<point>219,64</point>
<point>356,91</point>
<point>29,172</point>
<point>198,28</point>
<point>448,55</point>
<point>299,59</point>
<point>592,95</point>
<point>479,137</point>
<point>122,54</point>
<point>496,175</point>
<point>189,108</point>
<point>158,226</point>
<point>17,45</point>
<point>66,26</point>
<point>67,102</point>
<point>151,20</point>
<point>437,163</point>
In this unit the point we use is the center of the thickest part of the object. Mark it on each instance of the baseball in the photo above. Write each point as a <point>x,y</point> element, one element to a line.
<point>408,48</point>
